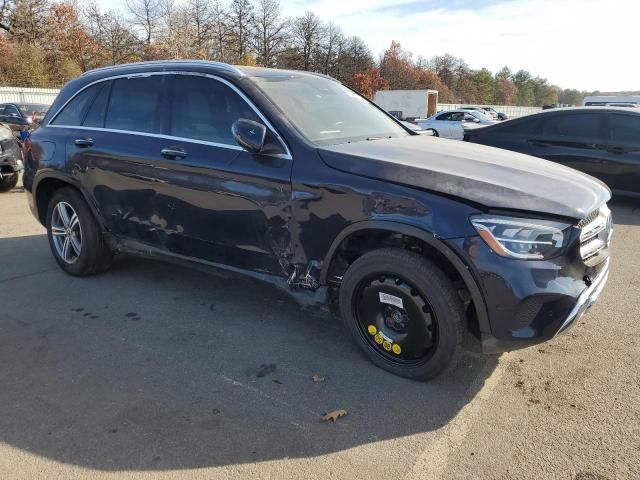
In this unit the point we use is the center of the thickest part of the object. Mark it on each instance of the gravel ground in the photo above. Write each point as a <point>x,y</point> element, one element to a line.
<point>154,371</point>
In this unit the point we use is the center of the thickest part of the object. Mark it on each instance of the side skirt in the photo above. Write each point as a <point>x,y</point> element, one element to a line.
<point>316,299</point>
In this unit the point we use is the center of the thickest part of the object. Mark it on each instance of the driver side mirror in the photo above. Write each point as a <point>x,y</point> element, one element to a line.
<point>249,134</point>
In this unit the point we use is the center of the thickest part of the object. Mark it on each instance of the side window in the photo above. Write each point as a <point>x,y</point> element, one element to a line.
<point>97,111</point>
<point>2,107</point>
<point>134,104</point>
<point>204,109</point>
<point>582,125</point>
<point>73,113</point>
<point>12,110</point>
<point>625,128</point>
<point>445,116</point>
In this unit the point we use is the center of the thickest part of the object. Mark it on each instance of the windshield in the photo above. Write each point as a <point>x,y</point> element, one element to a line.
<point>27,108</point>
<point>325,111</point>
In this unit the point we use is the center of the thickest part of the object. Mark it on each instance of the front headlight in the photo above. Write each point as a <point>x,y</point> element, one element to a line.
<point>520,237</point>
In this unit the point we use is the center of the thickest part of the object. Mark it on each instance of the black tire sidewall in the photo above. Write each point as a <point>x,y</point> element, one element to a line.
<point>432,284</point>
<point>93,248</point>
<point>6,185</point>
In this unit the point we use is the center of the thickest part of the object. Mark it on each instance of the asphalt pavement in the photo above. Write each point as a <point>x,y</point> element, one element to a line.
<point>155,371</point>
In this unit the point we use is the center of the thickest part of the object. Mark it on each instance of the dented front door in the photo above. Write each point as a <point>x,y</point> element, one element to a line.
<point>225,206</point>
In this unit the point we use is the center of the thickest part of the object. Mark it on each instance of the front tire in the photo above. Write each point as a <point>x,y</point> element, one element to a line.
<point>75,237</point>
<point>8,182</point>
<point>403,312</point>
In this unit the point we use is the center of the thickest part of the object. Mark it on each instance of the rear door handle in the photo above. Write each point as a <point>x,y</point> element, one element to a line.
<point>84,142</point>
<point>173,153</point>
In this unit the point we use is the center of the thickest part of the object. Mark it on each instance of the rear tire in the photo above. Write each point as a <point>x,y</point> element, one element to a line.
<point>75,237</point>
<point>403,312</point>
<point>435,133</point>
<point>8,182</point>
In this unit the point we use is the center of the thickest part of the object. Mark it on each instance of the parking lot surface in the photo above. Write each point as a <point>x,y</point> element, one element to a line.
<point>154,371</point>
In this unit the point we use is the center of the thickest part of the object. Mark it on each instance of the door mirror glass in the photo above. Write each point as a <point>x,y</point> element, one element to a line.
<point>249,134</point>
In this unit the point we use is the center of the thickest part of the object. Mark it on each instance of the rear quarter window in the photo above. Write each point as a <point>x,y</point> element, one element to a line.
<point>625,128</point>
<point>73,112</point>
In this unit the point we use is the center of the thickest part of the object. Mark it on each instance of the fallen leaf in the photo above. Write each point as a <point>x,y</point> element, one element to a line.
<point>334,415</point>
<point>317,378</point>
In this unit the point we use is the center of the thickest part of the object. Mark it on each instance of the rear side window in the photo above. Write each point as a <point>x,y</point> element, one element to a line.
<point>204,109</point>
<point>584,125</point>
<point>625,128</point>
<point>73,112</point>
<point>134,104</point>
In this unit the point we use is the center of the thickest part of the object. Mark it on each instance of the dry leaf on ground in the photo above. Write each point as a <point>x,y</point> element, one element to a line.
<point>317,378</point>
<point>333,415</point>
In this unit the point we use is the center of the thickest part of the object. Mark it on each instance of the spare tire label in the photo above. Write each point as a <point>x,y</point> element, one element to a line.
<point>390,299</point>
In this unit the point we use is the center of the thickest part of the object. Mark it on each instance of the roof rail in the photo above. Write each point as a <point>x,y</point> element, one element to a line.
<point>152,63</point>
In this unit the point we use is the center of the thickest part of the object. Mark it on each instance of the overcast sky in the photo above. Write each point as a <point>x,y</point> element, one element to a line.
<point>583,44</point>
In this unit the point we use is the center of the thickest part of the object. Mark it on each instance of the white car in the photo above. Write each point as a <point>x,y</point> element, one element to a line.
<point>449,124</point>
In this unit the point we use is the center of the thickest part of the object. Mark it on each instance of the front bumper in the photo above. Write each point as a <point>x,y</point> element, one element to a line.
<point>529,302</point>
<point>586,299</point>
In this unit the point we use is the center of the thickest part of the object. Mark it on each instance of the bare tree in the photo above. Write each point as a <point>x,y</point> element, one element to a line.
<point>332,42</point>
<point>241,19</point>
<point>202,18</point>
<point>145,14</point>
<point>269,32</point>
<point>306,31</point>
<point>25,20</point>
<point>221,32</point>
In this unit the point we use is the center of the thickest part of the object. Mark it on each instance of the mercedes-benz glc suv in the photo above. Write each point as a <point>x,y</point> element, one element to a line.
<point>294,179</point>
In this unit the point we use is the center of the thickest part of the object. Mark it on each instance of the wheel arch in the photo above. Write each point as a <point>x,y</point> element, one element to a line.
<point>390,228</point>
<point>45,186</point>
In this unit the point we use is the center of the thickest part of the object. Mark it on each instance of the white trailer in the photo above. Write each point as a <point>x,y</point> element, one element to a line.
<point>612,100</point>
<point>408,104</point>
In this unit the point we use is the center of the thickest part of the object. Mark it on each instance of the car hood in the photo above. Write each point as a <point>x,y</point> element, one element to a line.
<point>488,176</point>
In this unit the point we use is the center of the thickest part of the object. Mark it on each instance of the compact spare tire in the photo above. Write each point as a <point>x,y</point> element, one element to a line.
<point>75,237</point>
<point>403,312</point>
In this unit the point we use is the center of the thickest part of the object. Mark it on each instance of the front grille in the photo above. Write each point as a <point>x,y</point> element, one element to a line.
<point>595,236</point>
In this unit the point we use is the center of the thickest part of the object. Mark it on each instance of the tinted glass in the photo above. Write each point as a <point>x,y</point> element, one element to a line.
<point>2,107</point>
<point>585,125</point>
<point>73,112</point>
<point>11,110</point>
<point>625,128</point>
<point>325,111</point>
<point>520,126</point>
<point>135,104</point>
<point>205,109</point>
<point>445,116</point>
<point>97,111</point>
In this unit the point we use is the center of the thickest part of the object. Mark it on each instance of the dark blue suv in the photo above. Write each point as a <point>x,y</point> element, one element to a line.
<point>294,179</point>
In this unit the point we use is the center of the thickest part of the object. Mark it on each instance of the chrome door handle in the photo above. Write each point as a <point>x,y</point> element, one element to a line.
<point>84,142</point>
<point>173,153</point>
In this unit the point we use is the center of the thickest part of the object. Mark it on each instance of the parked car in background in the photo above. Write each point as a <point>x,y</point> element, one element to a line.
<point>22,115</point>
<point>10,159</point>
<point>292,178</point>
<point>488,113</point>
<point>449,124</point>
<point>601,141</point>
<point>498,115</point>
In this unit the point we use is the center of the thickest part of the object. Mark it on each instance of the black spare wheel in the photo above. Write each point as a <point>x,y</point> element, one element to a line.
<point>403,312</point>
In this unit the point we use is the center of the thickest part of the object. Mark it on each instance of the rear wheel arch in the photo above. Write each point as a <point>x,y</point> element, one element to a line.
<point>46,186</point>
<point>380,234</point>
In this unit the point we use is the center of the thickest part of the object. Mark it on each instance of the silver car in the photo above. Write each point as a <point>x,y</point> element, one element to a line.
<point>449,124</point>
